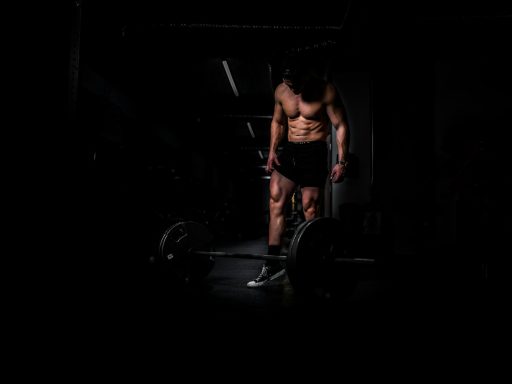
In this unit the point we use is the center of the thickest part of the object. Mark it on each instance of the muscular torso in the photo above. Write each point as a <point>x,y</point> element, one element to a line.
<point>307,120</point>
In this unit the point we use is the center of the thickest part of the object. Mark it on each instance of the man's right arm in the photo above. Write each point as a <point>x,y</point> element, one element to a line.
<point>277,130</point>
<point>276,127</point>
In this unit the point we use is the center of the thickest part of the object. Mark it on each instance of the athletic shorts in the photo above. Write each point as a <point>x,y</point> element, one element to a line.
<point>305,163</point>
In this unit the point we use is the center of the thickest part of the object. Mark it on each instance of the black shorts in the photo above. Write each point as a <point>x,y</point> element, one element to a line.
<point>304,163</point>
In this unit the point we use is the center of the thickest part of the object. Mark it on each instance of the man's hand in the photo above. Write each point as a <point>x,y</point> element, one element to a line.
<point>337,173</point>
<point>272,158</point>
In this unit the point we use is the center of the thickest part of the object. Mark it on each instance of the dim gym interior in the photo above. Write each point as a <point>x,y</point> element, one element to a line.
<point>171,114</point>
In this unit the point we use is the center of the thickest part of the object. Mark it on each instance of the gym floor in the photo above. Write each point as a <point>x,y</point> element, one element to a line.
<point>399,302</point>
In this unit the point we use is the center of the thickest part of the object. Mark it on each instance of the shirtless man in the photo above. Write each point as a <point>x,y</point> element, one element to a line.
<point>305,104</point>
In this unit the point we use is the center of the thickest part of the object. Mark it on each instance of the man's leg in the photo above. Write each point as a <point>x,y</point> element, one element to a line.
<point>310,199</point>
<point>281,190</point>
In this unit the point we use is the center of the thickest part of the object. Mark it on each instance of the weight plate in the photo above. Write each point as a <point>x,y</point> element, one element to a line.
<point>176,245</point>
<point>313,248</point>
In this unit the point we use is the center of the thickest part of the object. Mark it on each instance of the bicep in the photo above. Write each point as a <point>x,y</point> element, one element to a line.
<point>335,114</point>
<point>279,116</point>
<point>334,108</point>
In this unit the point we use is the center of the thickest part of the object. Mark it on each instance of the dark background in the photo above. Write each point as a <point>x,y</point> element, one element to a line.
<point>154,133</point>
<point>158,129</point>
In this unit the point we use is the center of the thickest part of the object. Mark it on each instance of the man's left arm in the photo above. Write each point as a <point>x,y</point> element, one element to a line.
<point>334,108</point>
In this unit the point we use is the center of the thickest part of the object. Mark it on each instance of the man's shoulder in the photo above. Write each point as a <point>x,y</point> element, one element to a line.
<point>330,87</point>
<point>281,87</point>
<point>331,92</point>
<point>280,90</point>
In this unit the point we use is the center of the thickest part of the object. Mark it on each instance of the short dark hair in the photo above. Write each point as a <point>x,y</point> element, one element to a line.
<point>292,66</point>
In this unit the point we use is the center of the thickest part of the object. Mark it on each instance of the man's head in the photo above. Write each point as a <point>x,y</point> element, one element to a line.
<point>293,73</point>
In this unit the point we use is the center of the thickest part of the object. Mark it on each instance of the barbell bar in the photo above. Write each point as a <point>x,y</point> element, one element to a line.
<point>257,256</point>
<point>251,256</point>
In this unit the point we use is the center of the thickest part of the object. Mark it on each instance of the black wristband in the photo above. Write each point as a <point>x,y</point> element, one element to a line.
<point>341,162</point>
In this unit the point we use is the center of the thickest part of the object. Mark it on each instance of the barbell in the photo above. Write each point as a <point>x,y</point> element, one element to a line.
<point>315,250</point>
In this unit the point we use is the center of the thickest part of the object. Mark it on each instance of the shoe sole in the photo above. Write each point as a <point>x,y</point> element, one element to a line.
<point>274,276</point>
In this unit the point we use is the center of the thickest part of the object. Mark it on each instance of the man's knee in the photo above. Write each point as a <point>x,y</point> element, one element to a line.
<point>309,205</point>
<point>310,212</point>
<point>277,204</point>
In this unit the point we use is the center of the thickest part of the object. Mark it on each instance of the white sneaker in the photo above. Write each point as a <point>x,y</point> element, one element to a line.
<point>267,274</point>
